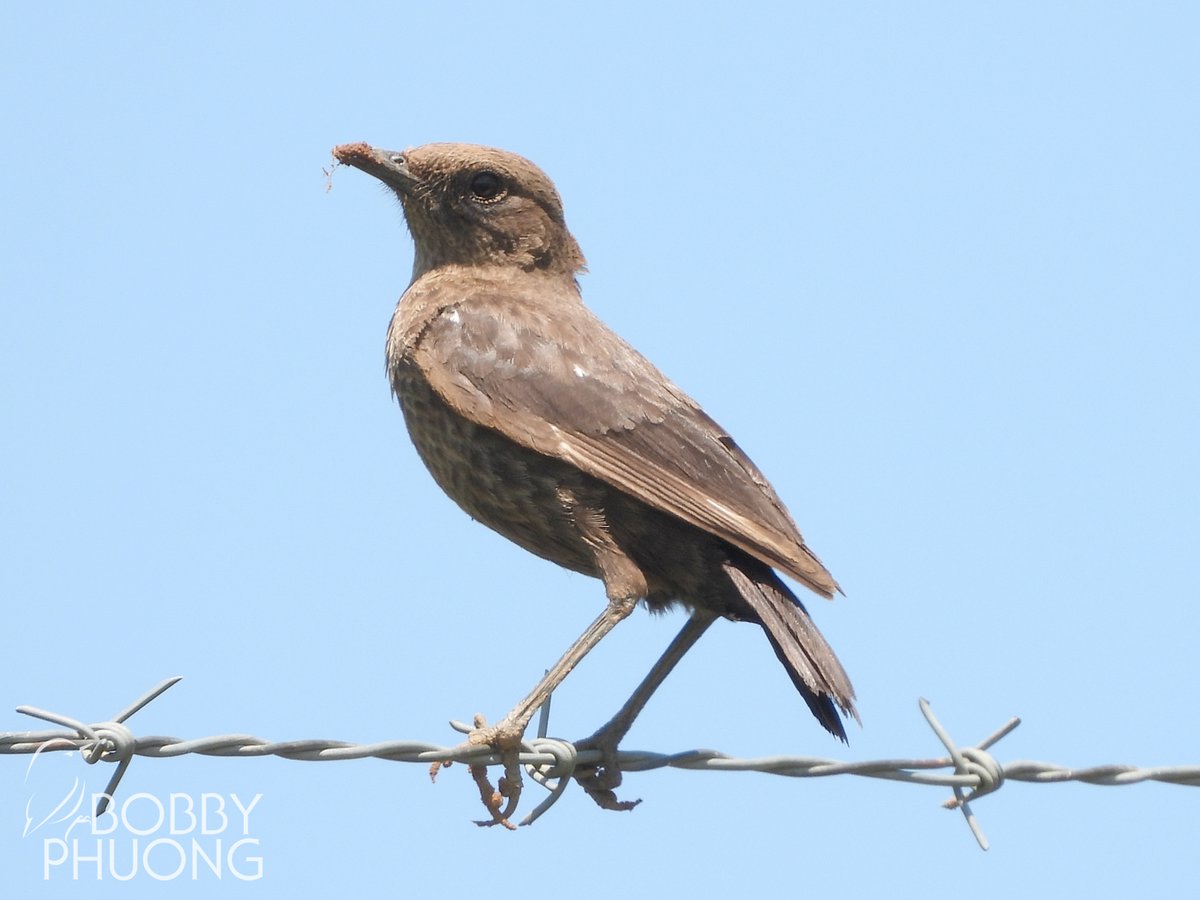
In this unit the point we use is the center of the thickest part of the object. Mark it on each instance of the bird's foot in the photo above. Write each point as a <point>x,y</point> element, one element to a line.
<point>601,779</point>
<point>500,800</point>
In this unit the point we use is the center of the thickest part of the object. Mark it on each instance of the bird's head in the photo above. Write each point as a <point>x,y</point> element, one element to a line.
<point>474,206</point>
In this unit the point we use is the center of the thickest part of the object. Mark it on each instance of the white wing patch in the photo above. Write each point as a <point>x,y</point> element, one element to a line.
<point>720,507</point>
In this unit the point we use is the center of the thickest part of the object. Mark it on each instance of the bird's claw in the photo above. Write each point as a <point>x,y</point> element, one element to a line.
<point>500,800</point>
<point>601,779</point>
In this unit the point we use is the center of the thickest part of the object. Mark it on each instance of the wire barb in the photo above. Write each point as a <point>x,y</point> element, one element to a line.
<point>974,762</point>
<point>108,741</point>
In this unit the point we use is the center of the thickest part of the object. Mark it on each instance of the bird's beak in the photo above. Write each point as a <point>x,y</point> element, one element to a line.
<point>386,165</point>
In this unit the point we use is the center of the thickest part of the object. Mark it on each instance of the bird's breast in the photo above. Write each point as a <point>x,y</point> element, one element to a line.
<point>511,489</point>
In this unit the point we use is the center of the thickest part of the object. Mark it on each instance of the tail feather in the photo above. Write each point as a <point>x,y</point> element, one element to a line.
<point>809,660</point>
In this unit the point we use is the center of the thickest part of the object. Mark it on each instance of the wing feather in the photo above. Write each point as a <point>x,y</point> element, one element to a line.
<point>562,383</point>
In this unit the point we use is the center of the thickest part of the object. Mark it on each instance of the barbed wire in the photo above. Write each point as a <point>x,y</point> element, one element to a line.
<point>552,762</point>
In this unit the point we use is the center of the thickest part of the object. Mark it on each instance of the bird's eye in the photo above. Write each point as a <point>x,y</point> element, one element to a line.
<point>487,187</point>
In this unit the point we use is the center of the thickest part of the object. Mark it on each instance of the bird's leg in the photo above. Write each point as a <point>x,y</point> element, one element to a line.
<point>601,779</point>
<point>507,733</point>
<point>505,736</point>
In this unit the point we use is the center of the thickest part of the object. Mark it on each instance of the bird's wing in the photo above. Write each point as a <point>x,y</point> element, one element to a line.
<point>562,383</point>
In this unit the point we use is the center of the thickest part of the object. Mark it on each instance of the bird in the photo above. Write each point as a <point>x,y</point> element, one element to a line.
<point>542,423</point>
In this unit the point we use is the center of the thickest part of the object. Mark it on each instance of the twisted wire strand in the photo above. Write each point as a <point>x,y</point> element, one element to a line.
<point>544,753</point>
<point>550,761</point>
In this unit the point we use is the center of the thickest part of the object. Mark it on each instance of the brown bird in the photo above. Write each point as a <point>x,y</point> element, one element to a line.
<point>543,424</point>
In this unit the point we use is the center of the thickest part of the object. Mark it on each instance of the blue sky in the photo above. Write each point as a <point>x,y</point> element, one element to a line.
<point>933,265</point>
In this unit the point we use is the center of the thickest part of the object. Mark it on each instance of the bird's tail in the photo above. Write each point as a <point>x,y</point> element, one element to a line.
<point>809,660</point>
